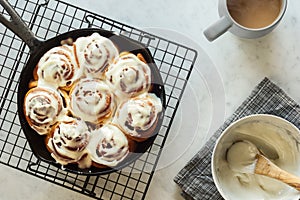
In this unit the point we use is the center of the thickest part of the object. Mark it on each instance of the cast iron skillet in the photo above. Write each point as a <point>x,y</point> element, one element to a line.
<point>38,49</point>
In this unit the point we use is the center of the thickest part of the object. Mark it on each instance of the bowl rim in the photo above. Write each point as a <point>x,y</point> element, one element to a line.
<point>225,132</point>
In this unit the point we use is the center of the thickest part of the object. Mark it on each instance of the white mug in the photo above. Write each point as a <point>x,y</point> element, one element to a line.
<point>227,23</point>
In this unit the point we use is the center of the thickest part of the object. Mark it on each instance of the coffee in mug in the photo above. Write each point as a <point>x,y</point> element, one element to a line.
<point>247,18</point>
<point>254,14</point>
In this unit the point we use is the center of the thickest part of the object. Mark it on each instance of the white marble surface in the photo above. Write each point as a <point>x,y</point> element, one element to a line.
<point>225,73</point>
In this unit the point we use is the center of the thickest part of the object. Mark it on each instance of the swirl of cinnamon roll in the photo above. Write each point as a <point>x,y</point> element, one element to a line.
<point>129,76</point>
<point>108,145</point>
<point>43,107</point>
<point>68,143</point>
<point>58,68</point>
<point>94,53</point>
<point>91,100</point>
<point>138,116</point>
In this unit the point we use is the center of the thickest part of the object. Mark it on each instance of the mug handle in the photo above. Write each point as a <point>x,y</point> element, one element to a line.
<point>218,28</point>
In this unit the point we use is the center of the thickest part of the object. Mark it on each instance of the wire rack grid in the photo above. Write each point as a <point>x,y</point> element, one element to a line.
<point>46,20</point>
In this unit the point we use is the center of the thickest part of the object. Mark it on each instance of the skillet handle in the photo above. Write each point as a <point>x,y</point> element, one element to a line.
<point>18,26</point>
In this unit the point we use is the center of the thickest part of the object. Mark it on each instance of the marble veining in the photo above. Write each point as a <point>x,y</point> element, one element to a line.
<point>235,65</point>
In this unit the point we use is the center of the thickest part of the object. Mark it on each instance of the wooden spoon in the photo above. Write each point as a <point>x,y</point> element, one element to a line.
<point>265,167</point>
<point>244,157</point>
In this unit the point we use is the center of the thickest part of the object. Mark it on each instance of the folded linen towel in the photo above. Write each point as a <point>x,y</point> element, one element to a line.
<point>195,179</point>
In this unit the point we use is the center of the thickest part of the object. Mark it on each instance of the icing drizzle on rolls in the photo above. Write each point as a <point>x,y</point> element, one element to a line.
<point>58,68</point>
<point>108,145</point>
<point>69,141</point>
<point>128,76</point>
<point>43,107</point>
<point>91,100</point>
<point>94,53</point>
<point>138,115</point>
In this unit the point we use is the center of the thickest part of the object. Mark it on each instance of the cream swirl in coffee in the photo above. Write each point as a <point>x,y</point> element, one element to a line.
<point>255,13</point>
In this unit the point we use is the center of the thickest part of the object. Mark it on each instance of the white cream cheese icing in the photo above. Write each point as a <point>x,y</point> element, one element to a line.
<point>138,114</point>
<point>58,68</point>
<point>91,100</point>
<point>241,156</point>
<point>69,141</point>
<point>94,53</point>
<point>43,108</point>
<point>272,140</point>
<point>108,145</point>
<point>128,76</point>
<point>85,81</point>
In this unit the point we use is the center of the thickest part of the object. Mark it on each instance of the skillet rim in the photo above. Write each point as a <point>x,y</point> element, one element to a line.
<point>36,141</point>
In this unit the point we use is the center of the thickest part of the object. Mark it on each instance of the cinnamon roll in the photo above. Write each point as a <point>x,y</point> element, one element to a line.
<point>94,53</point>
<point>58,68</point>
<point>91,100</point>
<point>68,141</point>
<point>43,107</point>
<point>138,116</point>
<point>108,145</point>
<point>93,103</point>
<point>128,76</point>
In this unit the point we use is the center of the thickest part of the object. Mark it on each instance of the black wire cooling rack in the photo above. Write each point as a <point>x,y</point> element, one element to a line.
<point>47,19</point>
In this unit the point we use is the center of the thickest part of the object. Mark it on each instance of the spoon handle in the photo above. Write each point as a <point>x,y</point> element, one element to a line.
<point>265,167</point>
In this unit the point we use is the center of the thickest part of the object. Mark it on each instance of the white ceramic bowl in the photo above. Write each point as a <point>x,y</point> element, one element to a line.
<point>277,138</point>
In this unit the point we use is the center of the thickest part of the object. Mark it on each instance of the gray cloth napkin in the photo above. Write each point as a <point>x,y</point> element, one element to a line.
<point>195,178</point>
